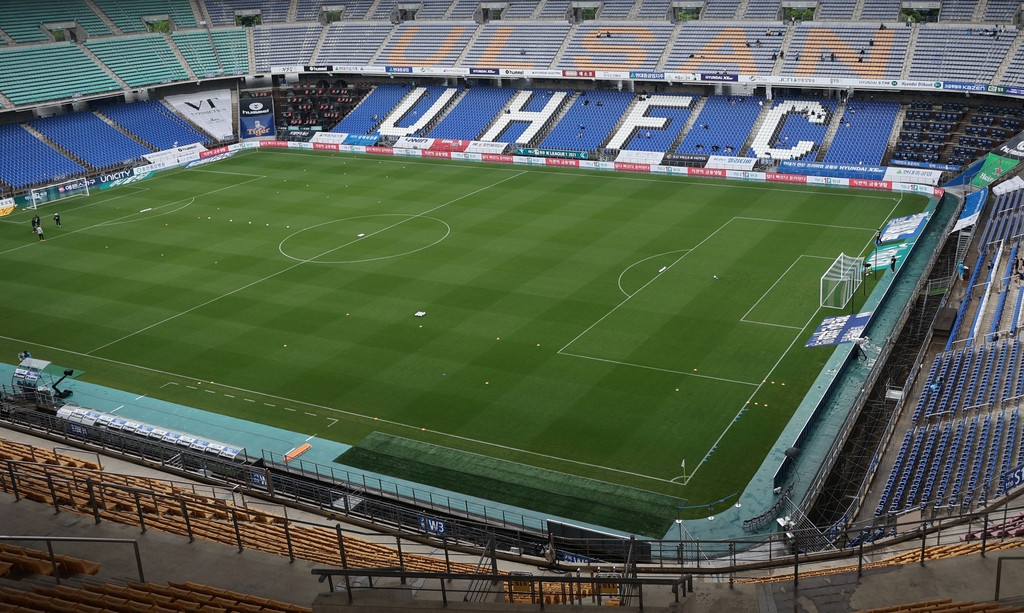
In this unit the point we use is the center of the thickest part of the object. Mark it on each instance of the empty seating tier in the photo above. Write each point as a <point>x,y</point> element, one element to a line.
<point>128,14</point>
<point>139,60</point>
<point>473,113</point>
<point>284,45</point>
<point>721,9</point>
<point>91,139</point>
<point>729,120</point>
<point>836,9</point>
<point>309,10</point>
<point>589,121</point>
<point>153,123</point>
<point>22,20</point>
<point>957,10</point>
<point>616,47</point>
<point>880,10</point>
<point>762,9</point>
<point>846,51</point>
<point>703,47</point>
<point>27,76</point>
<point>213,53</point>
<point>222,12</point>
<point>863,134</point>
<point>352,43</point>
<point>28,161</point>
<point>421,44</point>
<point>657,9</point>
<point>512,45</point>
<point>959,54</point>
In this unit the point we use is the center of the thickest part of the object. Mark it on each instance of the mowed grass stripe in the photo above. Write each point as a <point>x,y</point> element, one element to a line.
<point>534,262</point>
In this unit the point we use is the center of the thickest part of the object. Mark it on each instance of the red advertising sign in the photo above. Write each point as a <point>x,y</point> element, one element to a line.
<point>786,178</point>
<point>871,184</point>
<point>274,143</point>
<point>561,162</point>
<point>706,172</point>
<point>449,144</point>
<point>630,167</point>
<point>379,150</point>
<point>325,146</point>
<point>938,191</point>
<point>585,74</point>
<point>427,153</point>
<point>212,152</point>
<point>497,157</point>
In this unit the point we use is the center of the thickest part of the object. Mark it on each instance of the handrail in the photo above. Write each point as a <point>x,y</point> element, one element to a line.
<point>77,539</point>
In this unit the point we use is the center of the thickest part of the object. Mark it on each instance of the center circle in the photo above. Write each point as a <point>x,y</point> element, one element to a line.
<point>365,238</point>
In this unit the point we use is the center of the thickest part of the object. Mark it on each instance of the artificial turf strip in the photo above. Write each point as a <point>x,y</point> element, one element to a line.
<point>545,491</point>
<point>552,338</point>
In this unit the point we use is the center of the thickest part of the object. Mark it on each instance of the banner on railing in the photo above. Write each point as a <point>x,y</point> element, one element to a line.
<point>176,155</point>
<point>902,228</point>
<point>730,163</point>
<point>639,157</point>
<point>1013,478</point>
<point>841,329</point>
<point>210,110</point>
<point>972,209</point>
<point>6,206</point>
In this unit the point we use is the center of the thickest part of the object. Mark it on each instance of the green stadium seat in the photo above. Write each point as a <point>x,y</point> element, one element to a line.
<point>28,76</point>
<point>213,53</point>
<point>139,60</point>
<point>128,14</point>
<point>21,19</point>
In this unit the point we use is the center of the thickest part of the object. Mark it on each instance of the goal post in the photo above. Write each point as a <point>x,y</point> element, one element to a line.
<point>58,191</point>
<point>840,281</point>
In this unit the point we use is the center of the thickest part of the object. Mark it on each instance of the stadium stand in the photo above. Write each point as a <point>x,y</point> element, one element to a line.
<point>27,161</point>
<point>619,46</point>
<point>127,14</point>
<point>22,19</point>
<point>421,44</point>
<point>291,45</point>
<point>27,78</point>
<point>152,122</point>
<point>139,60</point>
<point>729,120</point>
<point>863,135</point>
<point>721,9</point>
<point>849,51</point>
<point>517,9</point>
<point>222,12</point>
<point>840,10</point>
<point>430,9</point>
<point>91,139</point>
<point>215,52</point>
<point>554,9</point>
<point>803,122</point>
<point>589,121</point>
<point>473,113</point>
<point>762,9</point>
<point>616,9</point>
<point>1014,74</point>
<point>702,47</point>
<point>959,54</point>
<point>1001,11</point>
<point>654,9</point>
<point>372,110</point>
<point>956,10</point>
<point>880,10</point>
<point>517,45</point>
<point>658,138</point>
<point>352,43</point>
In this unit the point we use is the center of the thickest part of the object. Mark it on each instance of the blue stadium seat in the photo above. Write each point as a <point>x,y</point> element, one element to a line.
<point>154,123</point>
<point>28,161</point>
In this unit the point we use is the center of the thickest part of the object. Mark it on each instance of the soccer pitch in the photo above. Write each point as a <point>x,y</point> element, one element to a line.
<point>573,322</point>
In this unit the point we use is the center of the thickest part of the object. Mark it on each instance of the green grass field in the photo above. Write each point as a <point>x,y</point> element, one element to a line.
<point>551,340</point>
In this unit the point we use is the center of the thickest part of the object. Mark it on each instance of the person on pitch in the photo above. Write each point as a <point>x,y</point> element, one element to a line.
<point>56,219</point>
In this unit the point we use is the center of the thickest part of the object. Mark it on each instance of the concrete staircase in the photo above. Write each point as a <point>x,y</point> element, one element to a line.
<point>5,102</point>
<point>618,124</point>
<point>57,147</point>
<point>784,47</point>
<point>668,48</point>
<point>979,11</point>
<point>319,45</point>
<point>103,17</point>
<point>755,129</point>
<point>555,119</point>
<point>6,37</point>
<point>690,121</point>
<point>497,116</point>
<point>199,9</point>
<point>95,58</point>
<point>1010,54</point>
<point>538,10</point>
<point>858,10</point>
<point>181,58</point>
<point>251,46</point>
<point>110,122</point>
<point>373,9</point>
<point>911,44</point>
<point>826,143</point>
<point>469,45</point>
<point>897,127</point>
<point>633,12</point>
<point>293,12</point>
<point>565,45</point>
<point>741,9</point>
<point>444,112</point>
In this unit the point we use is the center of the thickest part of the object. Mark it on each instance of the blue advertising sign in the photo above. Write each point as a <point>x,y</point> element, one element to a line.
<point>257,126</point>
<point>400,69</point>
<point>432,525</point>
<point>964,87</point>
<point>972,209</point>
<point>573,558</point>
<point>902,228</point>
<point>1013,478</point>
<point>484,71</point>
<point>841,329</point>
<point>719,77</point>
<point>928,165</point>
<point>257,478</point>
<point>361,139</point>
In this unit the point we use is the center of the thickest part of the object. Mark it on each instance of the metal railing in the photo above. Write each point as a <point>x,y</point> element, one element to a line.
<point>50,540</point>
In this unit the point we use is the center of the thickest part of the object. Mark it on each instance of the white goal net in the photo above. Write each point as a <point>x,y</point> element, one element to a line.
<point>841,280</point>
<point>58,191</point>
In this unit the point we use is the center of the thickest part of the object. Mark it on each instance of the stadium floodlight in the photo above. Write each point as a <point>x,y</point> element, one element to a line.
<point>58,191</point>
<point>840,281</point>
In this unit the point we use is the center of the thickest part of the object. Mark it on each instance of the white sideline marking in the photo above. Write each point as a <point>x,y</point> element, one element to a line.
<point>146,210</point>
<point>296,265</point>
<point>66,211</point>
<point>626,269</point>
<point>675,372</point>
<point>142,396</point>
<point>777,281</point>
<point>309,439</point>
<point>118,409</point>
